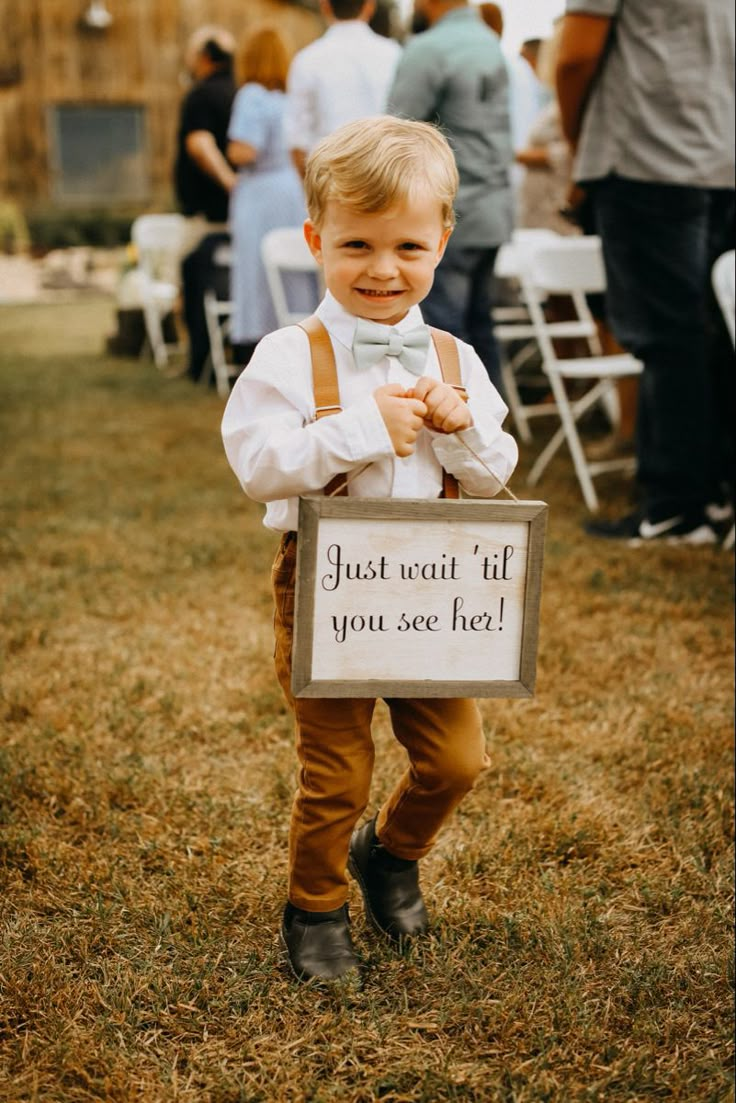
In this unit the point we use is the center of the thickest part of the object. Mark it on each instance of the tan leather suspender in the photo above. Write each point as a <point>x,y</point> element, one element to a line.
<point>327,391</point>
<point>324,383</point>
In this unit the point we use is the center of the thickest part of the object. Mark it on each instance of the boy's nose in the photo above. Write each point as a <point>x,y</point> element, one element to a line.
<point>382,266</point>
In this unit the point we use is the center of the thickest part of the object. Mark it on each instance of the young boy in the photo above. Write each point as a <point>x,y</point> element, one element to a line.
<point>380,201</point>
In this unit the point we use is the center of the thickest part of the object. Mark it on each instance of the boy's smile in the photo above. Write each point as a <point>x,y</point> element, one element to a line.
<point>379,265</point>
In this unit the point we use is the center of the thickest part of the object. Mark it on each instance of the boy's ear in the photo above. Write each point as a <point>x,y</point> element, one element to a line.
<point>442,246</point>
<point>313,239</point>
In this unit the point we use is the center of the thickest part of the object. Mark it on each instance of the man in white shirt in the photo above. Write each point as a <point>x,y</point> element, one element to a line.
<point>344,75</point>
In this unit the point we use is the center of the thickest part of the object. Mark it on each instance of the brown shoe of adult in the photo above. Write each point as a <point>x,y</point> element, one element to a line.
<point>390,887</point>
<point>318,944</point>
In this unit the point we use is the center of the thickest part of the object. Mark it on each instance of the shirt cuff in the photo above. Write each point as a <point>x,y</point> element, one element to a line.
<point>471,453</point>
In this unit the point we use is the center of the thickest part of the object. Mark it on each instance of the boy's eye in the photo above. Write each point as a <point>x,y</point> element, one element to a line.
<point>409,246</point>
<point>354,245</point>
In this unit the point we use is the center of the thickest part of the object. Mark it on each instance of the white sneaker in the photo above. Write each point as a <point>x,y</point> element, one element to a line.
<point>637,530</point>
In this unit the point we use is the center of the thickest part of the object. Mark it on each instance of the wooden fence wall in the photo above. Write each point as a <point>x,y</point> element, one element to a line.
<point>49,59</point>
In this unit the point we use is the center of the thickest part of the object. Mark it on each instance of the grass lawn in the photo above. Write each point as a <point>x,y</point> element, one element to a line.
<point>582,896</point>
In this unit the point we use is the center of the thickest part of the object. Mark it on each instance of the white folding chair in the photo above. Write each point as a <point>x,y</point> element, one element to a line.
<point>723,277</point>
<point>724,285</point>
<point>284,250</point>
<point>158,239</point>
<point>217,314</point>
<point>573,266</point>
<point>516,335</point>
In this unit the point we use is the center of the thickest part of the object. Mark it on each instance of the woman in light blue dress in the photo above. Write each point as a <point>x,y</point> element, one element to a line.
<point>268,193</point>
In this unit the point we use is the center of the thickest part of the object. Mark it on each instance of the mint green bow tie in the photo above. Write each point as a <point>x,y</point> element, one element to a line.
<point>372,342</point>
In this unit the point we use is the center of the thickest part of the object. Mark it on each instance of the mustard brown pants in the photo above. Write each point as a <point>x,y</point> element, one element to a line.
<point>443,738</point>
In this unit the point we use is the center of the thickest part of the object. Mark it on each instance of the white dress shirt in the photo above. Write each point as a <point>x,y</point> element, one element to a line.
<point>279,451</point>
<point>344,75</point>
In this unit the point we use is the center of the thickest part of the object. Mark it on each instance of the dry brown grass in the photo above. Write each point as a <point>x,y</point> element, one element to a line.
<point>582,895</point>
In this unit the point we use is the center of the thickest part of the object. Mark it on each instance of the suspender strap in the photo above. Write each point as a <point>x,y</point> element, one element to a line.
<point>449,361</point>
<point>447,354</point>
<point>327,391</point>
<point>324,373</point>
<point>325,385</point>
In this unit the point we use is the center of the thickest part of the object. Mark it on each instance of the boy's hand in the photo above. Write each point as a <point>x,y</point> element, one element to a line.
<point>446,410</point>
<point>403,416</point>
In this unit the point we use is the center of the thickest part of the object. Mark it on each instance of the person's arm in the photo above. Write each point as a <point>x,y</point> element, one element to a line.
<point>300,123</point>
<point>202,148</point>
<point>247,129</point>
<point>582,46</point>
<point>534,157</point>
<point>241,153</point>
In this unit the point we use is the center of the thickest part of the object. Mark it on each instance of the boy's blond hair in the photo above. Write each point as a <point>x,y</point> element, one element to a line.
<point>372,164</point>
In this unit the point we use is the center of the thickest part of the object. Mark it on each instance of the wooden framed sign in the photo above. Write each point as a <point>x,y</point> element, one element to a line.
<point>415,598</point>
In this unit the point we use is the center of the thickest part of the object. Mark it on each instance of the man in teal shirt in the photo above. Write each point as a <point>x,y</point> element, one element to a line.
<point>454,75</point>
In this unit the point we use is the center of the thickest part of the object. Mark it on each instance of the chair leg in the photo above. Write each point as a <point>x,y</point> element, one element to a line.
<point>579,408</point>
<point>544,457</point>
<point>217,360</point>
<point>569,415</point>
<point>206,373</point>
<point>574,444</point>
<point>220,366</point>
<point>155,335</point>
<point>515,404</point>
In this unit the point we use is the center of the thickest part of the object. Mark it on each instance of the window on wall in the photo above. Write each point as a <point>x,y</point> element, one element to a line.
<point>99,153</point>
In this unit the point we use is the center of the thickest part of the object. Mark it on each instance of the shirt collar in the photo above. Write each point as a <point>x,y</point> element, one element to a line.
<point>341,325</point>
<point>465,11</point>
<point>345,26</point>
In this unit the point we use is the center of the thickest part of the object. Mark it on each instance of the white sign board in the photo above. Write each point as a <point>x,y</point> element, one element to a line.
<point>408,598</point>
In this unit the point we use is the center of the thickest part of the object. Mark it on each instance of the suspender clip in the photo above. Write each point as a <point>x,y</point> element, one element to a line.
<point>325,411</point>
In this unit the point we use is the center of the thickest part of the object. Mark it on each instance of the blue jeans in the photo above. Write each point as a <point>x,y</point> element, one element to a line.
<point>461,299</point>
<point>659,243</point>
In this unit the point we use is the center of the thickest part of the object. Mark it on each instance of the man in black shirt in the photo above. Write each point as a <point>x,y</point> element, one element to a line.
<point>203,178</point>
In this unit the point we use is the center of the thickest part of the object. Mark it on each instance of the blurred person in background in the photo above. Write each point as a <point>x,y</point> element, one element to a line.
<point>546,158</point>
<point>203,178</point>
<point>454,75</point>
<point>527,93</point>
<point>646,91</point>
<point>341,76</point>
<point>543,203</point>
<point>268,193</point>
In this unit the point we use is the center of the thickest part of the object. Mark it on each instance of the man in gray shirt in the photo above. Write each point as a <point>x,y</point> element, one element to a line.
<point>646,91</point>
<point>454,75</point>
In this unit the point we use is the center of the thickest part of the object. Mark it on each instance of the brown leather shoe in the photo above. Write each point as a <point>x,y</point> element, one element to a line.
<point>390,886</point>
<point>318,944</point>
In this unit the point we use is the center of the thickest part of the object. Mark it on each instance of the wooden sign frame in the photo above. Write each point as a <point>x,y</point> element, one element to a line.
<point>489,521</point>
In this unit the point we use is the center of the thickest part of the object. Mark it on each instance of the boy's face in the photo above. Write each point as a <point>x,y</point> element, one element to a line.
<point>379,265</point>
